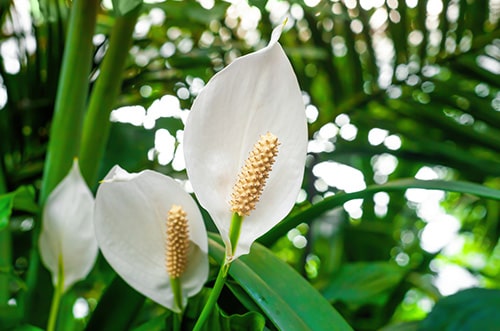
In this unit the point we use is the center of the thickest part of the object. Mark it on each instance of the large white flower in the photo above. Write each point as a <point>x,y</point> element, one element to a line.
<point>256,94</point>
<point>67,243</point>
<point>131,227</point>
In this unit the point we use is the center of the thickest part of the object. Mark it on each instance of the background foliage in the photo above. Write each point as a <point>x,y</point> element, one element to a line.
<point>394,89</point>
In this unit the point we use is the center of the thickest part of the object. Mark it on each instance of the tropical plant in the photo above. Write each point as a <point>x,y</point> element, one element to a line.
<point>399,204</point>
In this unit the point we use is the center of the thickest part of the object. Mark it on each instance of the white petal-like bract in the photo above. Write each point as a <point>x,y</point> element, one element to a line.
<point>130,221</point>
<point>67,234</point>
<point>256,94</point>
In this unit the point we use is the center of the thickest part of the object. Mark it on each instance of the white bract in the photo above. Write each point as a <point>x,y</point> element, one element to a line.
<point>67,239</point>
<point>256,94</point>
<point>130,221</point>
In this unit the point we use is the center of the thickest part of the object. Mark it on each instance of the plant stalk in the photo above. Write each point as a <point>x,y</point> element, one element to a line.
<point>103,97</point>
<point>72,92</point>
<point>65,134</point>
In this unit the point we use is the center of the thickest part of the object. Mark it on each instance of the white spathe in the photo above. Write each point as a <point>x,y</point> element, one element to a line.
<point>130,222</point>
<point>67,234</point>
<point>256,94</point>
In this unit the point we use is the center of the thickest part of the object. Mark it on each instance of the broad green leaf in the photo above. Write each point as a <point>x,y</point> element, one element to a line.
<point>123,7</point>
<point>309,214</point>
<point>468,310</point>
<point>287,299</point>
<point>364,283</point>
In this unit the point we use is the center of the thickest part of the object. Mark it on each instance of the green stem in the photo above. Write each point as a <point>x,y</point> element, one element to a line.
<point>56,299</point>
<point>234,231</point>
<point>234,235</point>
<point>104,94</point>
<point>72,91</point>
<point>214,295</point>
<point>177,321</point>
<point>177,290</point>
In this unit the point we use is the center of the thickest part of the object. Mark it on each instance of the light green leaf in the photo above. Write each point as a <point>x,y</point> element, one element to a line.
<point>339,199</point>
<point>287,299</point>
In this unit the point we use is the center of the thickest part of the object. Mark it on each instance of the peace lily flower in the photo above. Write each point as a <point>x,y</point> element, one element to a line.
<point>152,234</point>
<point>245,145</point>
<point>67,243</point>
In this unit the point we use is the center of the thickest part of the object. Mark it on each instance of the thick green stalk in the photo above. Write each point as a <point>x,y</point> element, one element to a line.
<point>65,134</point>
<point>72,92</point>
<point>107,88</point>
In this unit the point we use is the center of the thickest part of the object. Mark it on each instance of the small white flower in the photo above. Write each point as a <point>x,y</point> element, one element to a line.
<point>67,239</point>
<point>131,226</point>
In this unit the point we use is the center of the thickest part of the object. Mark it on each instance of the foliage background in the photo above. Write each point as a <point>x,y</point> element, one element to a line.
<point>393,89</point>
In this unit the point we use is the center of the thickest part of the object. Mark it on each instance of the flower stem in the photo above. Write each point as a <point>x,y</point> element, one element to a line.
<point>214,295</point>
<point>234,235</point>
<point>234,231</point>
<point>56,298</point>
<point>177,289</point>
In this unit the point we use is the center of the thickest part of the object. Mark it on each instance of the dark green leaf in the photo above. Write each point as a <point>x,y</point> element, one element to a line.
<point>468,310</point>
<point>218,320</point>
<point>27,328</point>
<point>117,308</point>
<point>156,324</point>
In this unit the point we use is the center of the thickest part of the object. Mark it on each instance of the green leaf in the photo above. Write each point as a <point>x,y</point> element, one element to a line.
<point>287,299</point>
<point>117,308</point>
<point>27,327</point>
<point>402,326</point>
<point>364,283</point>
<point>155,324</point>
<point>218,320</point>
<point>309,214</point>
<point>21,199</point>
<point>468,310</point>
<point>123,7</point>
